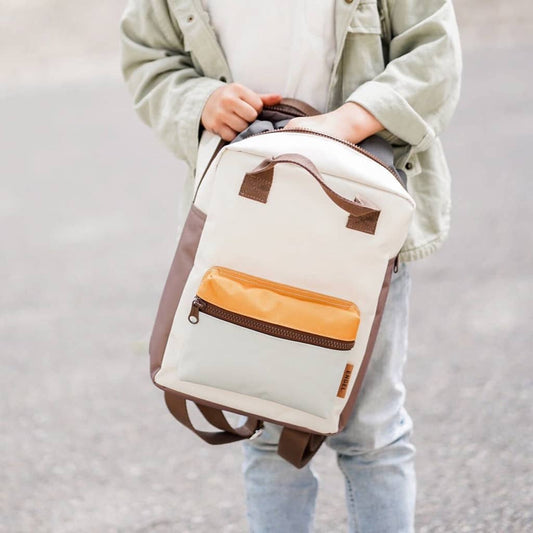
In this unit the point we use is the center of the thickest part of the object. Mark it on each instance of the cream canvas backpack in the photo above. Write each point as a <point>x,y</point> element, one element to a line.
<point>276,291</point>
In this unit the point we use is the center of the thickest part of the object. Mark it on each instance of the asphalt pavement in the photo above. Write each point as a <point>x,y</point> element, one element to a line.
<point>88,210</point>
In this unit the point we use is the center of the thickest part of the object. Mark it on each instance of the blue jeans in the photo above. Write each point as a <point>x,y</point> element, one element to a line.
<point>374,452</point>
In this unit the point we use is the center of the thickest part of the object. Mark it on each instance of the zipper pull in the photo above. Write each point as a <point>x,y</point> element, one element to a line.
<point>396,261</point>
<point>196,307</point>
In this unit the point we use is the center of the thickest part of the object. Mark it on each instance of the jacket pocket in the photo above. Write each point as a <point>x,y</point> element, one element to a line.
<point>365,19</point>
<point>268,340</point>
<point>364,49</point>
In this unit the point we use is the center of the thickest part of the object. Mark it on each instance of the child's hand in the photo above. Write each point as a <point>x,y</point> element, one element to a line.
<point>232,107</point>
<point>350,122</point>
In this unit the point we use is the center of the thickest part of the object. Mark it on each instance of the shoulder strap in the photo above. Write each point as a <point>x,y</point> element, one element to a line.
<point>299,447</point>
<point>177,405</point>
<point>296,447</point>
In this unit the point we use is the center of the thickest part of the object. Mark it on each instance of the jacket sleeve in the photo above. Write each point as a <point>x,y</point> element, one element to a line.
<point>416,94</point>
<point>168,92</point>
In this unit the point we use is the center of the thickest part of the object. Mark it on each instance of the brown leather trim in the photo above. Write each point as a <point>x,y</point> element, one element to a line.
<point>345,413</point>
<point>365,223</point>
<point>257,183</point>
<point>177,277</point>
<point>345,381</point>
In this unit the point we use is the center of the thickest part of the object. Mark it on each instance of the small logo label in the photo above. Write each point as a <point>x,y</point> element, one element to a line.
<point>343,387</point>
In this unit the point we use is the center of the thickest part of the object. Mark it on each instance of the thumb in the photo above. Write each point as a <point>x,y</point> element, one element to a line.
<point>270,98</point>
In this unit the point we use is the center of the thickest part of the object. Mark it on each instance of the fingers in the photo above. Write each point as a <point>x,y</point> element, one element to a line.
<point>231,108</point>
<point>270,98</point>
<point>235,122</point>
<point>248,96</point>
<point>227,133</point>
<point>244,110</point>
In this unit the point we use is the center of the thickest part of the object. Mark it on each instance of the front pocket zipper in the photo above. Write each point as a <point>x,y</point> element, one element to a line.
<point>280,305</point>
<point>264,327</point>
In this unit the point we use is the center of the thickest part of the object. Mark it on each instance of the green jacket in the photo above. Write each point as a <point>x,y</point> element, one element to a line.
<point>400,59</point>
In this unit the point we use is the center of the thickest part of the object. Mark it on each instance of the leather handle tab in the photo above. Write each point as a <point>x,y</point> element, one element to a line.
<point>257,183</point>
<point>178,408</point>
<point>299,447</point>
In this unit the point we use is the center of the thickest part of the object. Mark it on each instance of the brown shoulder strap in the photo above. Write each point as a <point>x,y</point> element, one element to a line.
<point>296,447</point>
<point>178,408</point>
<point>299,447</point>
<point>219,147</point>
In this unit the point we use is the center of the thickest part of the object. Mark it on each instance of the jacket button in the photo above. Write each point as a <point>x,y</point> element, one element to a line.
<point>348,1</point>
<point>409,165</point>
<point>222,78</point>
<point>190,18</point>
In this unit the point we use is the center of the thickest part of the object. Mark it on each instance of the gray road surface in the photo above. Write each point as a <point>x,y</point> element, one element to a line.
<point>87,211</point>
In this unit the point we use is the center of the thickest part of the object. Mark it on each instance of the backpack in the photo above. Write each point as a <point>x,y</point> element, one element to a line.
<point>276,291</point>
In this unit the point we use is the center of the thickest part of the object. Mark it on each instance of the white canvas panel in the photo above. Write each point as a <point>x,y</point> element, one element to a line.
<point>224,355</point>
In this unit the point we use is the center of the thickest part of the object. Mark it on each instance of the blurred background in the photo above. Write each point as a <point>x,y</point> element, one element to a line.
<point>88,210</point>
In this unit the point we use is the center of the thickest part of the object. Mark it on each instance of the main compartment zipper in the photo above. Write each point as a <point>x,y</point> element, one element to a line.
<point>275,330</point>
<point>355,147</point>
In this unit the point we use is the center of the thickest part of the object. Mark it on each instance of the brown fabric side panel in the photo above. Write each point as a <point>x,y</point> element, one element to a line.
<point>345,414</point>
<point>177,277</point>
<point>298,447</point>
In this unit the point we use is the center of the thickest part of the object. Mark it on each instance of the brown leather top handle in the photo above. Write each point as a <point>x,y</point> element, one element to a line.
<point>257,183</point>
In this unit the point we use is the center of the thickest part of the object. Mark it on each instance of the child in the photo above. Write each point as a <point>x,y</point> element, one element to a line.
<point>385,67</point>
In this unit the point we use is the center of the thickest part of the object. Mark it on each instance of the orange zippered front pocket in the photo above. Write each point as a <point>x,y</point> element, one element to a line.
<point>276,309</point>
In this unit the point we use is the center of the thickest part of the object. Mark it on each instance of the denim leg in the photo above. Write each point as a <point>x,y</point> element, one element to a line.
<point>374,451</point>
<point>279,497</point>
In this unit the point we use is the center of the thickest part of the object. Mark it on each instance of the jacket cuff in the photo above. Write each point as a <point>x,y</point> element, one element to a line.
<point>191,130</point>
<point>394,112</point>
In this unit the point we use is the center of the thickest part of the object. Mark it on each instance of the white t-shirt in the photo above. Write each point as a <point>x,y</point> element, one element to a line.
<point>279,46</point>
